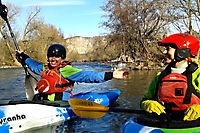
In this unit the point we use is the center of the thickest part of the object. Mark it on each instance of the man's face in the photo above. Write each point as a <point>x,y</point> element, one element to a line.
<point>169,54</point>
<point>54,61</point>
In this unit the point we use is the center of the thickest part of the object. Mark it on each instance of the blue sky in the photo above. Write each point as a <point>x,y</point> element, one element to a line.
<point>74,17</point>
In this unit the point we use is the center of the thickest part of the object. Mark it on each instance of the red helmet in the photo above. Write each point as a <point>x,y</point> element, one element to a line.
<point>182,41</point>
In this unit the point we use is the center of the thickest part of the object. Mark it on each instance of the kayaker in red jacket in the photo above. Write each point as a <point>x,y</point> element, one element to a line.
<point>177,87</point>
<point>59,75</point>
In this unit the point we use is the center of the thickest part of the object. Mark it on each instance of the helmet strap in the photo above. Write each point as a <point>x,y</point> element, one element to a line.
<point>181,54</point>
<point>194,60</point>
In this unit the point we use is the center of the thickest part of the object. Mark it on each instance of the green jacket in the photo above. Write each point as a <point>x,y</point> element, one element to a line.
<point>152,89</point>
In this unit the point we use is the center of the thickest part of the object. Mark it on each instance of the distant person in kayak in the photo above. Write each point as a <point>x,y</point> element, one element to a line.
<point>59,75</point>
<point>177,88</point>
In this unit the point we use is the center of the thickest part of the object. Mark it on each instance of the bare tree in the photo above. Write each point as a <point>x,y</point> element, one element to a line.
<point>187,12</point>
<point>39,39</point>
<point>7,42</point>
<point>36,36</point>
<point>32,22</point>
<point>134,24</point>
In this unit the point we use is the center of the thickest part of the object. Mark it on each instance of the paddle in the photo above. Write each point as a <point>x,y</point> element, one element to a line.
<point>30,80</point>
<point>89,109</point>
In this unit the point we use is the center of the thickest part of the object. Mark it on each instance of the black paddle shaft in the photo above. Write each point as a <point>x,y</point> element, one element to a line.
<point>3,13</point>
<point>127,110</point>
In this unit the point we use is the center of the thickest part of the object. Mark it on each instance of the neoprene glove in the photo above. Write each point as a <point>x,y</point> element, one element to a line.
<point>192,113</point>
<point>21,57</point>
<point>153,106</point>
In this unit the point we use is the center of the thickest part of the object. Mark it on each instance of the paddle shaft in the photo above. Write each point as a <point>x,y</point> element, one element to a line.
<point>89,109</point>
<point>4,16</point>
<point>127,110</point>
<point>29,78</point>
<point>12,34</point>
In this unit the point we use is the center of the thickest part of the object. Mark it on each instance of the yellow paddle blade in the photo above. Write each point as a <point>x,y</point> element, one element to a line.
<point>89,114</point>
<point>87,109</point>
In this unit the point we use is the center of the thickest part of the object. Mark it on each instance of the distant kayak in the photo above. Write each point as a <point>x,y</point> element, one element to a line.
<point>161,124</point>
<point>21,115</point>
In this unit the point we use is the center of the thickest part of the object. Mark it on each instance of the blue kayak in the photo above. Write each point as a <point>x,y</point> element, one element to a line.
<point>17,116</point>
<point>159,124</point>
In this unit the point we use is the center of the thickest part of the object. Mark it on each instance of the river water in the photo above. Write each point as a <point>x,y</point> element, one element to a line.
<point>132,89</point>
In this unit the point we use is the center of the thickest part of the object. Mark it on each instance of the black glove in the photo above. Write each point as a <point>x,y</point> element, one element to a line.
<point>21,57</point>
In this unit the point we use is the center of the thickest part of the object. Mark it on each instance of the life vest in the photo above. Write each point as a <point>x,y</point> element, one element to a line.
<point>52,81</point>
<point>176,91</point>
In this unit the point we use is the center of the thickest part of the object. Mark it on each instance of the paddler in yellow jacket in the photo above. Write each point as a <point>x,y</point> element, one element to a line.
<point>177,88</point>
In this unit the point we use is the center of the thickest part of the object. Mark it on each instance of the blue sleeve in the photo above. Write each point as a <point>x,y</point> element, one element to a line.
<point>88,77</point>
<point>77,76</point>
<point>34,66</point>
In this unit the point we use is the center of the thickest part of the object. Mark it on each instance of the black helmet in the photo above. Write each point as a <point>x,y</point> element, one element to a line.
<point>56,50</point>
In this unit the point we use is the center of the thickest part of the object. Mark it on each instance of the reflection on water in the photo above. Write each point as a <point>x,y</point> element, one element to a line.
<point>132,90</point>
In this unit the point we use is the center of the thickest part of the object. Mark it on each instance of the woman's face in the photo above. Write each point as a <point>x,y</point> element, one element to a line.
<point>55,61</point>
<point>169,54</point>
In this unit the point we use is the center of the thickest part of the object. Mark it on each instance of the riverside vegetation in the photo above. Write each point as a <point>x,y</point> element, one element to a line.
<point>81,49</point>
<point>133,29</point>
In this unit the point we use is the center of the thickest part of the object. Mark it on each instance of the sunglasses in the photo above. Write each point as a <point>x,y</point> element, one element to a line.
<point>168,48</point>
<point>55,55</point>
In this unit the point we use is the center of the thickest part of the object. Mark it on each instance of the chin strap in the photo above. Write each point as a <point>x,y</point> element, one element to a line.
<point>193,60</point>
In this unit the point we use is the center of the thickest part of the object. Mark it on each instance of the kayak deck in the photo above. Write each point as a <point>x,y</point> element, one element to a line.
<point>49,103</point>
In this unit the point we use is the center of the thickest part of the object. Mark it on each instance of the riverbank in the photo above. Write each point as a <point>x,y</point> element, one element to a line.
<point>2,67</point>
<point>139,65</point>
<point>135,65</point>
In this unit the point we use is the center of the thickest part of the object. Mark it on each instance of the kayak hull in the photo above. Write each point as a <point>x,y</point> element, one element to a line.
<point>132,125</point>
<point>17,116</point>
<point>26,116</point>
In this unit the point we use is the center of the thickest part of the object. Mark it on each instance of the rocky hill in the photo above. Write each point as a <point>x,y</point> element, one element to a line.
<point>81,45</point>
<point>82,48</point>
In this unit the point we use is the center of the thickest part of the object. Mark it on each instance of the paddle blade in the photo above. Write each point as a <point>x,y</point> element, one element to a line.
<point>89,114</point>
<point>30,85</point>
<point>87,109</point>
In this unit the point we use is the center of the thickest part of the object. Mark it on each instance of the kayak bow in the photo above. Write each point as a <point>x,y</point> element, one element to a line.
<point>158,125</point>
<point>17,116</point>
